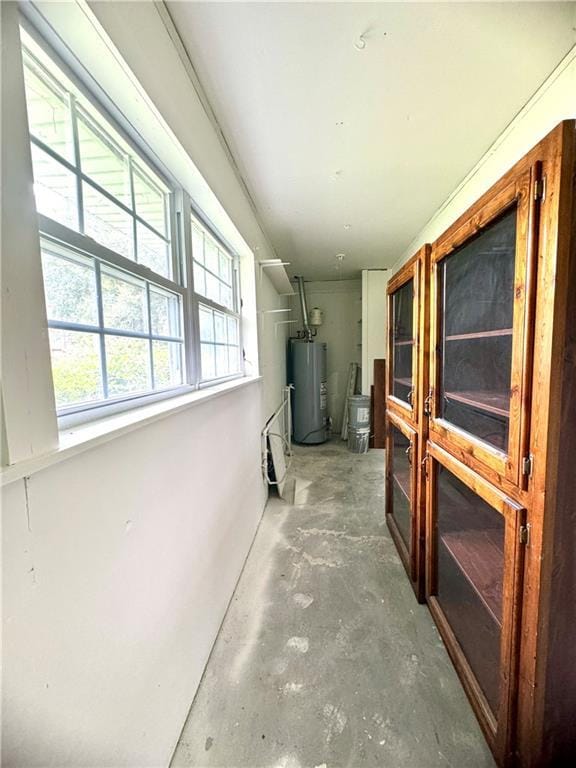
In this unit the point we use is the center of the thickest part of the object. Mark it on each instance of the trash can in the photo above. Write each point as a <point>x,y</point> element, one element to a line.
<point>358,439</point>
<point>358,412</point>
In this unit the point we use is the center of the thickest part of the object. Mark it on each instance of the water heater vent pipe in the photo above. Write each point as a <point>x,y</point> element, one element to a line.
<point>303,307</point>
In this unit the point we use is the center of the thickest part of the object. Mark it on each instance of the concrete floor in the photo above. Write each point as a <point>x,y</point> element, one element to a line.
<point>324,658</point>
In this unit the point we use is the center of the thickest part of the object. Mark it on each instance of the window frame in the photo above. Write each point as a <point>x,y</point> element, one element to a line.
<point>179,212</point>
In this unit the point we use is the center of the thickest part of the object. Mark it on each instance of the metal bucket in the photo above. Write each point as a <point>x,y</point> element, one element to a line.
<point>358,439</point>
<point>358,412</point>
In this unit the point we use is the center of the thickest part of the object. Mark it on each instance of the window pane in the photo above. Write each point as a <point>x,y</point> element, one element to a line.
<point>48,110</point>
<point>128,365</point>
<point>206,325</point>
<point>232,330</point>
<point>225,271</point>
<point>222,361</point>
<point>197,244</point>
<point>76,367</point>
<point>102,159</point>
<point>153,252</point>
<point>211,260</point>
<point>54,189</point>
<point>150,201</point>
<point>107,223</point>
<point>70,288</point>
<point>208,361</point>
<point>212,288</point>
<point>164,312</point>
<point>220,328</point>
<point>226,297</point>
<point>167,364</point>
<point>123,301</point>
<point>199,280</point>
<point>233,359</point>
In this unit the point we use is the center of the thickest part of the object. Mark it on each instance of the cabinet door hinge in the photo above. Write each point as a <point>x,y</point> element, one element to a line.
<point>540,188</point>
<point>525,534</point>
<point>528,465</point>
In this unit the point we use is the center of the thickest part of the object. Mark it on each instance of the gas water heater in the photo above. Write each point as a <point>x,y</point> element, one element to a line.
<point>307,374</point>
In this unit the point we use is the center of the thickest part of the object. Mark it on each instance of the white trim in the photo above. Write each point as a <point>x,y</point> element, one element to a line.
<point>28,410</point>
<point>81,439</point>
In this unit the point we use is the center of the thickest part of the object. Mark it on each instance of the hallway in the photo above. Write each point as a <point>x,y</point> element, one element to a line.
<point>324,658</point>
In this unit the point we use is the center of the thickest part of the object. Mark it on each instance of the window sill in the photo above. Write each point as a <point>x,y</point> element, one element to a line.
<point>82,438</point>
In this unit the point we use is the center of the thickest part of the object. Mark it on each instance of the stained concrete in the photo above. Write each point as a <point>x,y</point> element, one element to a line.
<point>324,658</point>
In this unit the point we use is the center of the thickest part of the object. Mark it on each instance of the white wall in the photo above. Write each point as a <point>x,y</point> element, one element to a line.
<point>273,333</point>
<point>373,323</point>
<point>118,567</point>
<point>554,101</point>
<point>341,302</point>
<point>119,562</point>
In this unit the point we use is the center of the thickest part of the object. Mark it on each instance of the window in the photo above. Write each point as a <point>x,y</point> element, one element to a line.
<point>86,176</point>
<point>216,289</point>
<point>112,334</point>
<point>120,317</point>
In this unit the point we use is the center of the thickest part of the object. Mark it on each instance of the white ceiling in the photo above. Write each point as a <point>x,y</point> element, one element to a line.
<point>351,151</point>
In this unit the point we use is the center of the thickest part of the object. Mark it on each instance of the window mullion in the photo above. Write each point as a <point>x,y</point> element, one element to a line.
<point>103,366</point>
<point>172,224</point>
<point>77,162</point>
<point>192,328</point>
<point>150,345</point>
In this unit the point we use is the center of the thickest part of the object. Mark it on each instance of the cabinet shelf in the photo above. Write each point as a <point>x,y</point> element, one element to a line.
<point>479,557</point>
<point>405,343</point>
<point>405,382</point>
<point>479,335</point>
<point>497,403</point>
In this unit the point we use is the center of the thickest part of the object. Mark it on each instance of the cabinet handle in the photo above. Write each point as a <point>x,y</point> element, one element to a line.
<point>408,453</point>
<point>411,396</point>
<point>427,403</point>
<point>424,463</point>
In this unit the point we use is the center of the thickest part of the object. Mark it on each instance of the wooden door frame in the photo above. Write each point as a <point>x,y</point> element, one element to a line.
<point>515,188</point>
<point>498,728</point>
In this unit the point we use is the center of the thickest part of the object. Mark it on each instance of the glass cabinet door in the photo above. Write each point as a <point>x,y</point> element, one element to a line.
<point>481,277</point>
<point>403,296</point>
<point>403,342</point>
<point>477,288</point>
<point>473,575</point>
<point>400,488</point>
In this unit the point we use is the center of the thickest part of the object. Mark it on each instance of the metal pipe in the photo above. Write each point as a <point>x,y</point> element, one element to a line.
<point>303,305</point>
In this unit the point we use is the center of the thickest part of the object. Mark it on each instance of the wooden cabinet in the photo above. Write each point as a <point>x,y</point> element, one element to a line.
<point>487,400</point>
<point>406,424</point>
